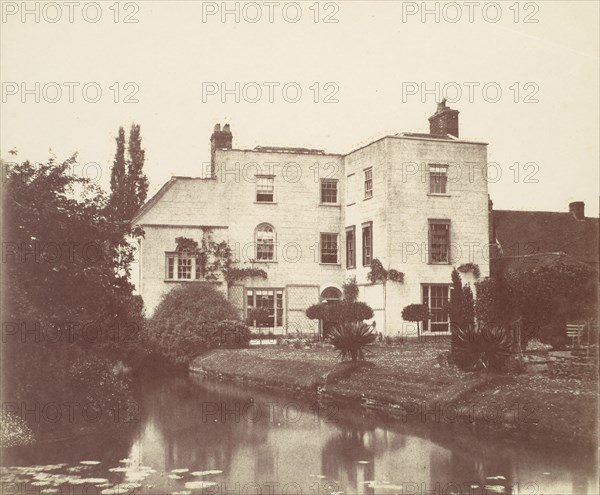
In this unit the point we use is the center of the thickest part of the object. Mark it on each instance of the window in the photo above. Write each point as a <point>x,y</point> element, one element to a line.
<point>329,248</point>
<point>439,241</point>
<point>350,189</point>
<point>331,295</point>
<point>350,247</point>
<point>435,297</point>
<point>329,191</point>
<point>265,189</point>
<point>368,183</point>
<point>269,299</point>
<point>438,179</point>
<point>265,242</point>
<point>367,243</point>
<point>181,266</point>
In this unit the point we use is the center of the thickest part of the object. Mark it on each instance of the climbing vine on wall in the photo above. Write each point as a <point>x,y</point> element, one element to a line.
<point>214,258</point>
<point>379,274</point>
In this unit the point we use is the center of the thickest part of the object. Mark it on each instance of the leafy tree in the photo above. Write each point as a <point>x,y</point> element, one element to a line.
<point>67,265</point>
<point>416,312</point>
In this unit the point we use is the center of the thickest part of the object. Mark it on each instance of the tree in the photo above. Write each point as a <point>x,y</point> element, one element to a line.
<point>70,295</point>
<point>455,305</point>
<point>137,182</point>
<point>128,183</point>
<point>118,176</point>
<point>416,312</point>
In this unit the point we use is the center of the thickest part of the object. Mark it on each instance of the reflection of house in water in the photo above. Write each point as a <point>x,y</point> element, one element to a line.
<point>312,453</point>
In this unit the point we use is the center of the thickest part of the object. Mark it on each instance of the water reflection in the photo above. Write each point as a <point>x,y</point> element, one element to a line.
<point>206,437</point>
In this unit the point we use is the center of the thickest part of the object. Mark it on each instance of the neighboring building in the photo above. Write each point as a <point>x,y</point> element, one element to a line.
<point>524,239</point>
<point>416,202</point>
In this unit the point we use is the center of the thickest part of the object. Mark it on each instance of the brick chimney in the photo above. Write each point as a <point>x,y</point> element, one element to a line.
<point>444,121</point>
<point>220,139</point>
<point>577,209</point>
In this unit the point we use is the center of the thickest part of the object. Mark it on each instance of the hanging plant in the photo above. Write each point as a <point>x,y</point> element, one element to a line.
<point>470,267</point>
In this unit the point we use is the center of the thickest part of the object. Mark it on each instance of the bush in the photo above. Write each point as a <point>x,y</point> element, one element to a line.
<point>416,312</point>
<point>351,340</point>
<point>542,298</point>
<point>479,347</point>
<point>351,290</point>
<point>192,319</point>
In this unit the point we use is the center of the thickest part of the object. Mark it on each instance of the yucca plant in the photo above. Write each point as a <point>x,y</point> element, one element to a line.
<point>477,347</point>
<point>351,340</point>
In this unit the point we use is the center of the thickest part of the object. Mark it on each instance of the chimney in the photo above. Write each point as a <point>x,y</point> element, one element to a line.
<point>577,209</point>
<point>220,139</point>
<point>444,121</point>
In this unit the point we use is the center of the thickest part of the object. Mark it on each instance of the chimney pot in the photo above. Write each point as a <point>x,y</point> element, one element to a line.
<point>577,209</point>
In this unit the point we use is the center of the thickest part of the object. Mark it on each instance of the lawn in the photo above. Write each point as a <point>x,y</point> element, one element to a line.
<point>411,380</point>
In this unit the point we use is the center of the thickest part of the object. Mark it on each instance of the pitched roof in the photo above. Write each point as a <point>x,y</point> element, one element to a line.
<point>531,232</point>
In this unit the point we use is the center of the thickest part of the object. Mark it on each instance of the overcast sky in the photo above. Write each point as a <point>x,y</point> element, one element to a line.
<point>377,58</point>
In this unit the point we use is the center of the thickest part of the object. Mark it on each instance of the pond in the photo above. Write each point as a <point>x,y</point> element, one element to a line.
<point>195,436</point>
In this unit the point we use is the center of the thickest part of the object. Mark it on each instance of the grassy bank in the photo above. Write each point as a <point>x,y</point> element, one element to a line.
<point>411,383</point>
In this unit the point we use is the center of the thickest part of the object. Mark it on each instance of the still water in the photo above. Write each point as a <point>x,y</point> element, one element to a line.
<point>194,436</point>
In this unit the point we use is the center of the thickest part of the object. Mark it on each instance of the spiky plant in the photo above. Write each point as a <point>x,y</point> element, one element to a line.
<point>351,340</point>
<point>477,347</point>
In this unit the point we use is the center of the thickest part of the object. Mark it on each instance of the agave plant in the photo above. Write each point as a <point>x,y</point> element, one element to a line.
<point>351,340</point>
<point>477,347</point>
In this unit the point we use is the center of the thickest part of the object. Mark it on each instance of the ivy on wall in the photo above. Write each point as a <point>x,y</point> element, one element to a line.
<point>215,258</point>
<point>379,274</point>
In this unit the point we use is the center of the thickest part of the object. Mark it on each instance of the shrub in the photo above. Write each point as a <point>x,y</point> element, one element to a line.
<point>416,312</point>
<point>478,347</point>
<point>351,340</point>
<point>351,290</point>
<point>192,319</point>
<point>317,311</point>
<point>539,298</point>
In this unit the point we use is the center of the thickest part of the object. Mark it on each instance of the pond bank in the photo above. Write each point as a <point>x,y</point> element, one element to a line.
<point>411,384</point>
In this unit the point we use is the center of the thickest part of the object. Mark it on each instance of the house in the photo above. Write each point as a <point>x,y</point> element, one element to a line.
<point>417,202</point>
<point>524,239</point>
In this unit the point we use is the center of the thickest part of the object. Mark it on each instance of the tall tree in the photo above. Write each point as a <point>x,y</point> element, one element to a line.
<point>128,183</point>
<point>137,182</point>
<point>455,305</point>
<point>118,176</point>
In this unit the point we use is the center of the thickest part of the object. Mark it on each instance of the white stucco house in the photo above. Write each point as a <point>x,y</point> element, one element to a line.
<point>417,202</point>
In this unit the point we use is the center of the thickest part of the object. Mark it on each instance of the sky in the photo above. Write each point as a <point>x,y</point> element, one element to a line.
<point>527,72</point>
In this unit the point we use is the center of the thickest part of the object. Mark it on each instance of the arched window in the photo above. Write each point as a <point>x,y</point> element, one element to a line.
<point>265,242</point>
<point>331,294</point>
